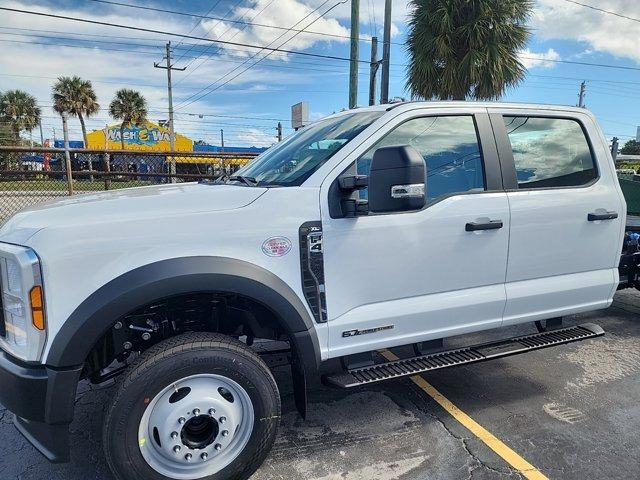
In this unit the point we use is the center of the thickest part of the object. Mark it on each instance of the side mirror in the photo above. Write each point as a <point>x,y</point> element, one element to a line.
<point>397,180</point>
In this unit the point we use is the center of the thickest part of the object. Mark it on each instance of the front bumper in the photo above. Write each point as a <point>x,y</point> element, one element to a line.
<point>42,399</point>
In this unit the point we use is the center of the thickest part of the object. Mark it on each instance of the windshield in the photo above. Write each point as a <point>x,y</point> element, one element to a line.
<point>291,162</point>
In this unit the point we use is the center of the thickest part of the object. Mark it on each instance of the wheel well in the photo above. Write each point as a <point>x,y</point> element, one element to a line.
<point>210,311</point>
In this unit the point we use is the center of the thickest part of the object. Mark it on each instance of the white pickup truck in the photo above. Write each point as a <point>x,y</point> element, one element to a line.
<point>373,228</point>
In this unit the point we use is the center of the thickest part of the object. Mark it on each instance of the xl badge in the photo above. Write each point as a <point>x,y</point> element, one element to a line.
<point>276,246</point>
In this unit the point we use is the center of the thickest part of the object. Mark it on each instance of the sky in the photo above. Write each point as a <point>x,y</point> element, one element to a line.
<point>247,91</point>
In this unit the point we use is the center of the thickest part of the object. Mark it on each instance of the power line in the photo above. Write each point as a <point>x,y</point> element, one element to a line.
<point>209,29</point>
<point>261,25</point>
<point>195,97</point>
<point>84,34</point>
<point>243,90</point>
<point>209,57</point>
<point>199,55</point>
<point>219,49</point>
<point>602,10</point>
<point>226,51</point>
<point>571,62</point>
<point>572,79</point>
<point>198,23</point>
<point>52,37</point>
<point>174,34</point>
<point>234,69</point>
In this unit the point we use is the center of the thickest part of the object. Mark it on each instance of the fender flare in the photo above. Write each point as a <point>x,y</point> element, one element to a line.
<point>97,314</point>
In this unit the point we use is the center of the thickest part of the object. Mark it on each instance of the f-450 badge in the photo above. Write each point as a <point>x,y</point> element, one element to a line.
<point>355,333</point>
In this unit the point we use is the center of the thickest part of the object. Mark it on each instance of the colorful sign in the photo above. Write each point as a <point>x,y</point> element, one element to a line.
<point>146,136</point>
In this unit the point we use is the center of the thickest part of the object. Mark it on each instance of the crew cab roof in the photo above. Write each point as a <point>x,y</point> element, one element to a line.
<point>410,105</point>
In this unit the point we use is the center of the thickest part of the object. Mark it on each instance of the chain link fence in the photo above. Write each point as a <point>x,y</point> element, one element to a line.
<point>29,176</point>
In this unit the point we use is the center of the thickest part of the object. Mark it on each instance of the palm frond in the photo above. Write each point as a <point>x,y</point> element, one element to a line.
<point>466,48</point>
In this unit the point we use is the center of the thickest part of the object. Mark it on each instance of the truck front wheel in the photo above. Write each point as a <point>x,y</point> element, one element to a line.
<point>197,406</point>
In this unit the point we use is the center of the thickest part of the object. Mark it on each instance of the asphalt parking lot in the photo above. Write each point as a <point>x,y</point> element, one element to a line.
<point>572,412</point>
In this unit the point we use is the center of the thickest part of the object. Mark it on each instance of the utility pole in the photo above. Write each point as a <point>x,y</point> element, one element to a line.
<point>353,65</point>
<point>41,134</point>
<point>67,156</point>
<point>373,70</point>
<point>279,128</point>
<point>583,88</point>
<point>222,138</point>
<point>172,135</point>
<point>106,159</point>
<point>386,52</point>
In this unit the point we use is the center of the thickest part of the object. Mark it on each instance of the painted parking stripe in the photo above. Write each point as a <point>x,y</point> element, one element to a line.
<point>502,450</point>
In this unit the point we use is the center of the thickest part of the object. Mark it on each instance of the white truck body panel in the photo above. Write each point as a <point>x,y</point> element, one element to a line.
<point>80,255</point>
<point>418,271</point>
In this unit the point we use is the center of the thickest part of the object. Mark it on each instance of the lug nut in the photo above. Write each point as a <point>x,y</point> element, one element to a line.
<point>188,457</point>
<point>177,449</point>
<point>127,345</point>
<point>204,456</point>
<point>218,447</point>
<point>196,411</point>
<point>118,325</point>
<point>174,435</point>
<point>225,433</point>
<point>146,336</point>
<point>182,420</point>
<point>212,411</point>
<point>223,419</point>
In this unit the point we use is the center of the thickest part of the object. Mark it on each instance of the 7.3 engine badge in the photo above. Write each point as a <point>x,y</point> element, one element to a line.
<point>355,333</point>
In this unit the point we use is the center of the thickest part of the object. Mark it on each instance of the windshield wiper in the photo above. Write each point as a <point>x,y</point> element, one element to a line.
<point>248,181</point>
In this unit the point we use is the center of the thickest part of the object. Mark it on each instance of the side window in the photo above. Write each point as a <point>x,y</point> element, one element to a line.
<point>450,148</point>
<point>550,152</point>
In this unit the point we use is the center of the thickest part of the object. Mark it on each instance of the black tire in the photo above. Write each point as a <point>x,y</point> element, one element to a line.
<point>170,361</point>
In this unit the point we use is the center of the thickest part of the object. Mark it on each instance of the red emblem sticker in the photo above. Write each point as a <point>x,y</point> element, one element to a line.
<point>276,246</point>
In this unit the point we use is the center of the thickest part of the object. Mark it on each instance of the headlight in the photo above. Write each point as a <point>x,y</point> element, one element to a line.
<point>22,322</point>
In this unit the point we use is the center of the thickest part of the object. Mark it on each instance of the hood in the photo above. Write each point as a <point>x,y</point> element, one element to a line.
<point>161,201</point>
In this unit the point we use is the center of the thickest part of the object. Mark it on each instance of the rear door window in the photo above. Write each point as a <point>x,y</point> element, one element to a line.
<point>550,152</point>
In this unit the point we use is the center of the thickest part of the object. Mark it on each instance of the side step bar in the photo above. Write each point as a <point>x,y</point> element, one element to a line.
<point>478,353</point>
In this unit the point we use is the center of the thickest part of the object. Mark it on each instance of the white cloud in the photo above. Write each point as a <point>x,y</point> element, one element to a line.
<point>602,32</point>
<point>539,59</point>
<point>129,67</point>
<point>290,13</point>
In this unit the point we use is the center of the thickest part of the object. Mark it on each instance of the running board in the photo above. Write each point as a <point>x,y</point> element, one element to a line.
<point>463,356</point>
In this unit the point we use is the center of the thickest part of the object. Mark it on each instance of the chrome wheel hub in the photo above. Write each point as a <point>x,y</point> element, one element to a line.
<point>196,426</point>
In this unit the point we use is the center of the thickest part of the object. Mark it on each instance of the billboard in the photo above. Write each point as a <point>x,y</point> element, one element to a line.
<point>299,115</point>
<point>147,136</point>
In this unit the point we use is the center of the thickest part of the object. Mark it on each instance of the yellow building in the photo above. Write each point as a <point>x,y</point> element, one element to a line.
<point>148,136</point>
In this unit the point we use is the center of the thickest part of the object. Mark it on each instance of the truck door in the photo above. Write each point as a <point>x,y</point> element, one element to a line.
<point>567,215</point>
<point>404,277</point>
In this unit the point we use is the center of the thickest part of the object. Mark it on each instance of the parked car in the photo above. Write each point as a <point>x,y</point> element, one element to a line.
<point>374,228</point>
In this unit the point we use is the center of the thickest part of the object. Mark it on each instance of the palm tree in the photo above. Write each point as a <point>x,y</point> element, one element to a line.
<point>130,107</point>
<point>75,96</point>
<point>20,111</point>
<point>466,48</point>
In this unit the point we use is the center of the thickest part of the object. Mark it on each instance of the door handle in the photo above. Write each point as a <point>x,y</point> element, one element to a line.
<point>490,225</point>
<point>592,217</point>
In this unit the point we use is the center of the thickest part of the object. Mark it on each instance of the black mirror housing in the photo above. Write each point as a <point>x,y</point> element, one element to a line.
<point>397,180</point>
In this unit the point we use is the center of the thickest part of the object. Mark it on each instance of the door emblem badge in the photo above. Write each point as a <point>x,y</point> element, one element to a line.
<point>276,246</point>
<point>355,333</point>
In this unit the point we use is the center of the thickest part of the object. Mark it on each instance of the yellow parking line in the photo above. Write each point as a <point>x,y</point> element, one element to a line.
<point>508,455</point>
